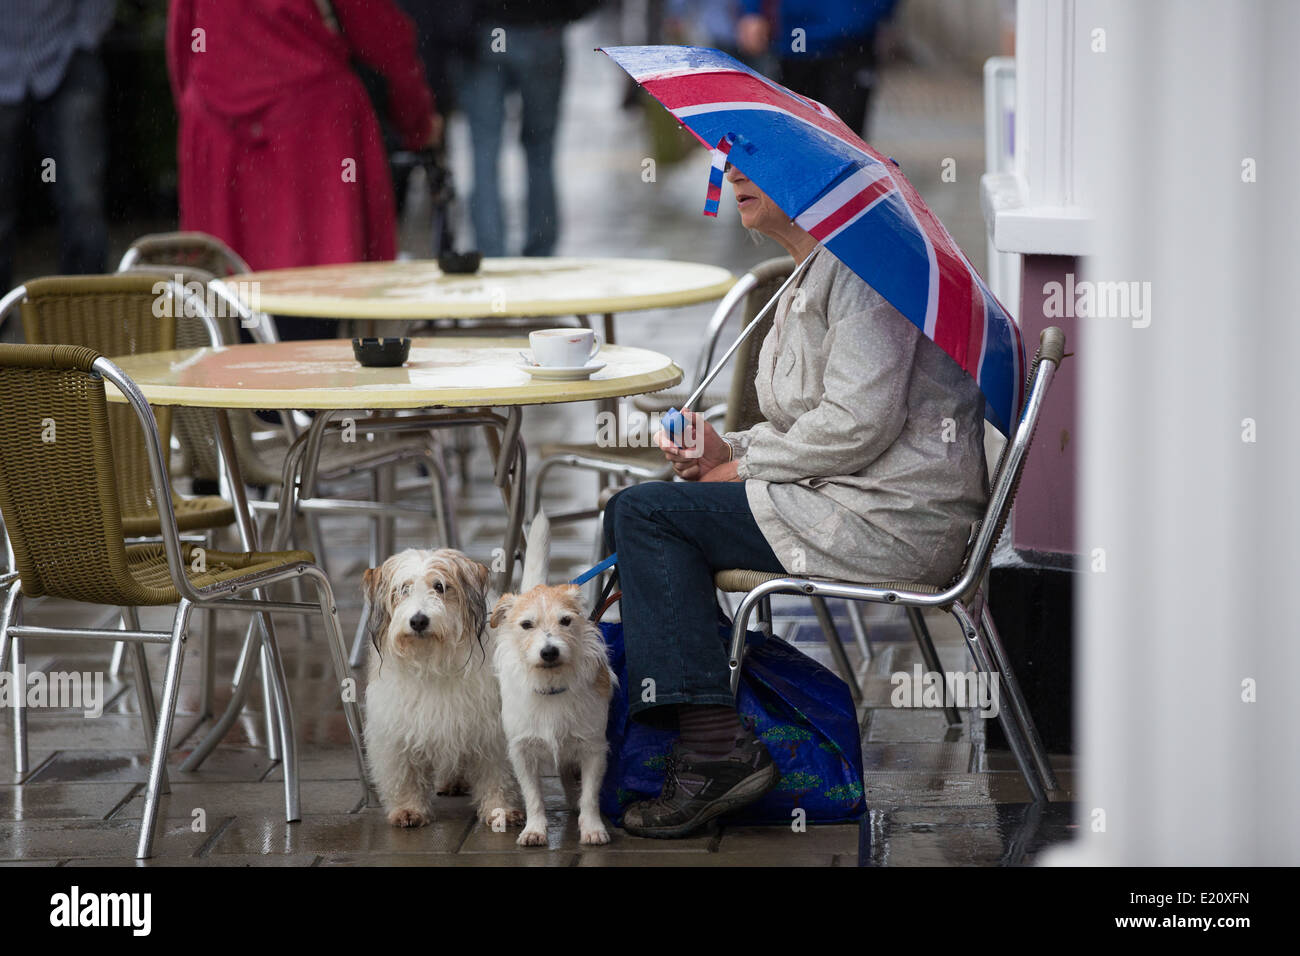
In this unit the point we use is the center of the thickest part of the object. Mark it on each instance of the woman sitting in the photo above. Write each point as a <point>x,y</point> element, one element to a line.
<point>869,466</point>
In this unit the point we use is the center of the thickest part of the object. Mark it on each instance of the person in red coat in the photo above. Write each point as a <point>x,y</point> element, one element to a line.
<point>280,153</point>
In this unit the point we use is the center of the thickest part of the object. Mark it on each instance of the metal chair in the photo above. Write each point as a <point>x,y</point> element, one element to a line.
<point>963,597</point>
<point>62,511</point>
<point>117,315</point>
<point>197,250</point>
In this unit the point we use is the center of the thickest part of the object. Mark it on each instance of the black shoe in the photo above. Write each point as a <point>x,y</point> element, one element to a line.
<point>699,788</point>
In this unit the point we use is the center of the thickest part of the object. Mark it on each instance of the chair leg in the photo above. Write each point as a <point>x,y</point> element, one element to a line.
<point>208,663</point>
<point>386,481</point>
<point>140,677</point>
<point>162,737</point>
<point>921,631</point>
<point>4,645</point>
<point>208,668</point>
<point>765,616</point>
<point>1019,709</point>
<point>270,710</point>
<point>347,682</point>
<point>440,492</point>
<point>1010,727</point>
<point>739,624</point>
<point>234,707</point>
<point>278,701</point>
<point>119,657</point>
<point>20,707</point>
<point>836,646</point>
<point>593,588</point>
<point>12,613</point>
<point>859,629</point>
<point>316,537</point>
<point>358,655</point>
<point>295,585</point>
<point>463,448</point>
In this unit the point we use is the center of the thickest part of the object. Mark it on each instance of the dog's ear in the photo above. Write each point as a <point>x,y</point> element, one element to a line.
<point>473,578</point>
<point>476,577</point>
<point>370,583</point>
<point>375,584</point>
<point>502,609</point>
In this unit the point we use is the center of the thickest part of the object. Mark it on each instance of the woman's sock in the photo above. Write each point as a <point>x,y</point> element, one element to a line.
<point>708,729</point>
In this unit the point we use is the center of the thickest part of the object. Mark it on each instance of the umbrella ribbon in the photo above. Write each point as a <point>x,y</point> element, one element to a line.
<point>714,194</point>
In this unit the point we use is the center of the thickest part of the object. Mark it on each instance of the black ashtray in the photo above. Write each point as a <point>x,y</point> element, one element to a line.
<point>460,263</point>
<point>381,353</point>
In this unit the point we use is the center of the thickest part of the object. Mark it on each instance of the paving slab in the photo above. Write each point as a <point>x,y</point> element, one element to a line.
<point>338,835</point>
<point>62,840</point>
<point>62,801</point>
<point>220,800</point>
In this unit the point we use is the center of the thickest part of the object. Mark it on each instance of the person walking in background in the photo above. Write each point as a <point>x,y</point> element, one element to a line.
<point>280,153</point>
<point>517,46</point>
<point>709,23</point>
<point>52,89</point>
<point>826,48</point>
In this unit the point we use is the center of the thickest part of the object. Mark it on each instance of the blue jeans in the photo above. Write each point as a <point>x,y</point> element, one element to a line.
<point>68,128</point>
<point>533,64</point>
<point>670,538</point>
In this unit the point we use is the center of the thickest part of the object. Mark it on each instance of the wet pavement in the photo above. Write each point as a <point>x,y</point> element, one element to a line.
<point>937,797</point>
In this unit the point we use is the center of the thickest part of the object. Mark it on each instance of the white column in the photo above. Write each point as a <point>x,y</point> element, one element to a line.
<point>1200,530</point>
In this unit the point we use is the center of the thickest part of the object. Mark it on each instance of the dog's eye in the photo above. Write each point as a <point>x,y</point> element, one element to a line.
<point>437,586</point>
<point>526,625</point>
<point>406,589</point>
<point>565,621</point>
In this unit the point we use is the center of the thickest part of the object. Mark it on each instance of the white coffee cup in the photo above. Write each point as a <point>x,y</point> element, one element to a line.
<point>564,348</point>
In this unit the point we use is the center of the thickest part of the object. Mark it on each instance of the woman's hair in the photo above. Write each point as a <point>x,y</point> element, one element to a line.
<point>756,237</point>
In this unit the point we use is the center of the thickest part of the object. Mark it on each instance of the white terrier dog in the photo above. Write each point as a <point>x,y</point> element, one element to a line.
<point>555,688</point>
<point>433,707</point>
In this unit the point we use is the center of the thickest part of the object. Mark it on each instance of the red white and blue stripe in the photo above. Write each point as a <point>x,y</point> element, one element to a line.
<point>852,199</point>
<point>714,194</point>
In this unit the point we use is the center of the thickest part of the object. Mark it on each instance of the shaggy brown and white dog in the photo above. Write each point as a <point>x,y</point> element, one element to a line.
<point>555,688</point>
<point>433,708</point>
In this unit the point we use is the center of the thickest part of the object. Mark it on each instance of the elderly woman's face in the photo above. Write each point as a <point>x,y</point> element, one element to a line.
<point>757,211</point>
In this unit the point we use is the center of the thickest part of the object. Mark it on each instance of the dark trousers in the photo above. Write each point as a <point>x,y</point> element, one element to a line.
<point>68,128</point>
<point>842,80</point>
<point>532,64</point>
<point>671,537</point>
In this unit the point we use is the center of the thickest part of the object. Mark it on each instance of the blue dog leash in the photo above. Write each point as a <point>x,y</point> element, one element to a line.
<point>591,572</point>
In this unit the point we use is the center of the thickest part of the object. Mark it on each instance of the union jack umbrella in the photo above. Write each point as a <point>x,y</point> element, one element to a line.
<point>851,199</point>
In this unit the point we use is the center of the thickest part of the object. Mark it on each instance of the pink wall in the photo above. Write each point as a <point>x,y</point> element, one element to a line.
<point>1043,515</point>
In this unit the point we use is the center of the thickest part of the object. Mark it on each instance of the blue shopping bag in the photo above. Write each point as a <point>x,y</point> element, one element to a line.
<point>803,712</point>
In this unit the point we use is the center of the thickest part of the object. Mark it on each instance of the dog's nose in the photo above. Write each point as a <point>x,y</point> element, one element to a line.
<point>419,622</point>
<point>550,653</point>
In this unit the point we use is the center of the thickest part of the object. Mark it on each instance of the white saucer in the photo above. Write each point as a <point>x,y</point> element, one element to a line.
<point>561,373</point>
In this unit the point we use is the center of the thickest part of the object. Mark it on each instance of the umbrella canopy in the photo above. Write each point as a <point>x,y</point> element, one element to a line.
<point>849,197</point>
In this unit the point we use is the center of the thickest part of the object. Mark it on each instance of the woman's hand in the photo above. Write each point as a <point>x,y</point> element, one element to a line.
<point>724,472</point>
<point>753,34</point>
<point>702,450</point>
<point>435,132</point>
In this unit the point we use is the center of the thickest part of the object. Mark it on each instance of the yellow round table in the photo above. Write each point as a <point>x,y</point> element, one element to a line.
<point>504,288</point>
<point>450,372</point>
<point>456,373</point>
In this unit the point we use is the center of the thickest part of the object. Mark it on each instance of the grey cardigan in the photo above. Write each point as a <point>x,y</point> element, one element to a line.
<point>870,465</point>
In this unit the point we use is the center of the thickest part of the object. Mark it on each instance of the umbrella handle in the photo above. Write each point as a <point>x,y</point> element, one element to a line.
<point>672,421</point>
